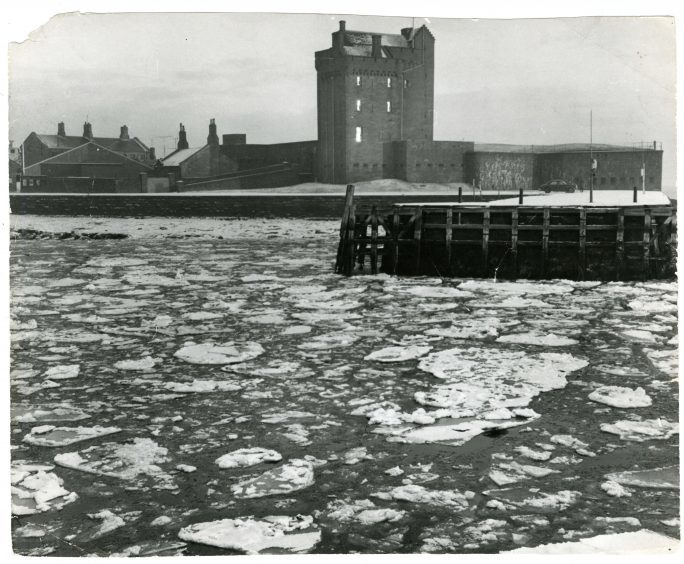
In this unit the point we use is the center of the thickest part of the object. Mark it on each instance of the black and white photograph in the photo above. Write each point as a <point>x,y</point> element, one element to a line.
<point>395,279</point>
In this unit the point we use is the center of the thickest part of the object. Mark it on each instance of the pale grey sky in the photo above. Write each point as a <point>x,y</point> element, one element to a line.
<point>497,81</point>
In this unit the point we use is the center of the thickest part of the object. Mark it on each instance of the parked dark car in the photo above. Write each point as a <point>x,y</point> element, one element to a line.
<point>558,186</point>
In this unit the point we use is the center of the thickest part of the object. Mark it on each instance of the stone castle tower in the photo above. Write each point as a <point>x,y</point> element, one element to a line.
<point>373,89</point>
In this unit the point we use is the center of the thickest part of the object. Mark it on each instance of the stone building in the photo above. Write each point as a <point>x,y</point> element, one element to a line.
<point>375,96</point>
<point>40,146</point>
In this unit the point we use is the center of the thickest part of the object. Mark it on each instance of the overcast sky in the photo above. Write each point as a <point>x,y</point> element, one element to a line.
<point>496,81</point>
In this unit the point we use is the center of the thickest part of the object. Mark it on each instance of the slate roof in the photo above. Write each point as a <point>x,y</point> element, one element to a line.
<point>175,159</point>
<point>66,142</point>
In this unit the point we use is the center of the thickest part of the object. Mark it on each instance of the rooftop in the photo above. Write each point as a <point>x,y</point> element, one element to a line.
<point>175,159</point>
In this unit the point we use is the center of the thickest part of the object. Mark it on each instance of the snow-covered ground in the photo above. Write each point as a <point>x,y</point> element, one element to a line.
<point>209,386</point>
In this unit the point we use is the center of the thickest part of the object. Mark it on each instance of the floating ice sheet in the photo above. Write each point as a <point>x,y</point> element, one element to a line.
<point>642,430</point>
<point>51,436</point>
<point>399,354</point>
<point>414,493</point>
<point>248,457</point>
<point>295,475</point>
<point>225,353</point>
<point>643,541</point>
<point>618,396</point>
<point>658,478</point>
<point>253,536</point>
<point>35,490</point>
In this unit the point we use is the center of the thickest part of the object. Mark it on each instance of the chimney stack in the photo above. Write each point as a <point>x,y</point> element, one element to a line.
<point>212,138</point>
<point>87,130</point>
<point>152,155</point>
<point>338,36</point>
<point>124,132</point>
<point>182,138</point>
<point>60,129</point>
<point>376,51</point>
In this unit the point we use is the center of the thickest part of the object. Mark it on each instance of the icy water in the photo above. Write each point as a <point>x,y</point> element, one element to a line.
<point>405,415</point>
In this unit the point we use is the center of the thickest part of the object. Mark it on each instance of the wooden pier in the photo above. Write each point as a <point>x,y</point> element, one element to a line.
<point>507,240</point>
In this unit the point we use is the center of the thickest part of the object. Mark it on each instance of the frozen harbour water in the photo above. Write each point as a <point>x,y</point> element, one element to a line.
<point>180,393</point>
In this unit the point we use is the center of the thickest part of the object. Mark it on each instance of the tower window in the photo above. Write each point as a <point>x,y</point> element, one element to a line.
<point>389,106</point>
<point>358,105</point>
<point>406,83</point>
<point>358,80</point>
<point>358,135</point>
<point>389,82</point>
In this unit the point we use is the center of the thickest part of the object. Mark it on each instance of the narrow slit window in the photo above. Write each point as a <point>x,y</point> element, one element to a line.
<point>406,83</point>
<point>389,106</point>
<point>358,105</point>
<point>389,82</point>
<point>358,80</point>
<point>359,135</point>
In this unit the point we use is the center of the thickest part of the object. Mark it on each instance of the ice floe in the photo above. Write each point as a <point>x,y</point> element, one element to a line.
<point>643,541</point>
<point>399,354</point>
<point>415,493</point>
<point>642,430</point>
<point>133,461</point>
<point>144,363</point>
<point>511,472</point>
<point>62,372</point>
<point>295,475</point>
<point>524,498</point>
<point>253,536</point>
<point>615,489</point>
<point>51,436</point>
<point>202,386</point>
<point>618,396</point>
<point>658,478</point>
<point>247,457</point>
<point>35,489</point>
<point>225,353</point>
<point>533,338</point>
<point>27,414</point>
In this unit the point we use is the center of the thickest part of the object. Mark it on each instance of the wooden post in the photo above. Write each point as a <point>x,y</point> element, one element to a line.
<point>634,196</point>
<point>583,242</point>
<point>485,241</point>
<point>374,240</point>
<point>351,244</point>
<point>545,241</point>
<point>447,237</point>
<point>395,236</point>
<point>520,197</point>
<point>460,194</point>
<point>417,233</point>
<point>647,243</point>
<point>514,241</point>
<point>344,228</point>
<point>620,244</point>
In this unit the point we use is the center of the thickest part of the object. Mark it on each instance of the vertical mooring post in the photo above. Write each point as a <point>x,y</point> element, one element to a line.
<point>620,244</point>
<point>520,197</point>
<point>395,236</point>
<point>449,229</point>
<point>460,194</point>
<point>374,240</point>
<point>634,196</point>
<point>647,244</point>
<point>582,242</point>
<point>417,236</point>
<point>343,247</point>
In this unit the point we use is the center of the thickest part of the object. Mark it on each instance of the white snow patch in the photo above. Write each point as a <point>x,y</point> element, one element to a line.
<point>399,354</point>
<point>643,541</point>
<point>141,364</point>
<point>62,372</point>
<point>642,430</point>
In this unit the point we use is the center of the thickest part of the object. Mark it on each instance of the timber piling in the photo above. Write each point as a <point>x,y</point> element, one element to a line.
<point>505,240</point>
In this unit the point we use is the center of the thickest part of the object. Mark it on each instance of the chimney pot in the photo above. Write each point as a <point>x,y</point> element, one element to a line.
<point>152,154</point>
<point>124,132</point>
<point>60,129</point>
<point>343,25</point>
<point>87,130</point>
<point>212,138</point>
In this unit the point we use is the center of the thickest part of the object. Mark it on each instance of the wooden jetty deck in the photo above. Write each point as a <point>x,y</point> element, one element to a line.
<point>575,240</point>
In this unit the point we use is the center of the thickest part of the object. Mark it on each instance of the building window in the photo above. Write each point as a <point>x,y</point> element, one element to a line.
<point>30,181</point>
<point>375,165</point>
<point>650,180</point>
<point>603,180</point>
<point>417,165</point>
<point>359,135</point>
<point>389,106</point>
<point>37,181</point>
<point>358,80</point>
<point>389,82</point>
<point>356,165</point>
<point>612,180</point>
<point>358,105</point>
<point>365,165</point>
<point>406,83</point>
